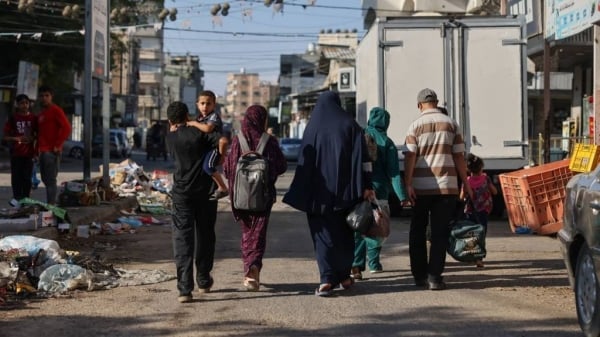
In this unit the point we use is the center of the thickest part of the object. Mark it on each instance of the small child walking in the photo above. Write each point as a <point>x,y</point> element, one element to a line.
<point>480,207</point>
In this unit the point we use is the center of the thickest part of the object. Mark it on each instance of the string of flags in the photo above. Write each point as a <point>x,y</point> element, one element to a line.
<point>130,30</point>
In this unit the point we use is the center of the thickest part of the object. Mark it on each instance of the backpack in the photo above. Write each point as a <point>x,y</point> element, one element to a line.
<point>371,147</point>
<point>251,191</point>
<point>466,241</point>
<point>482,198</point>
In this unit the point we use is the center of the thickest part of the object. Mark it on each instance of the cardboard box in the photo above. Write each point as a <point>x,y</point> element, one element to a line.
<point>47,219</point>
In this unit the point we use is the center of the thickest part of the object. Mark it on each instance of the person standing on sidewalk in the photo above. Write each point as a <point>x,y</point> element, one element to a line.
<point>332,176</point>
<point>386,177</point>
<point>20,132</point>
<point>433,162</point>
<point>194,214</point>
<point>54,129</point>
<point>254,224</point>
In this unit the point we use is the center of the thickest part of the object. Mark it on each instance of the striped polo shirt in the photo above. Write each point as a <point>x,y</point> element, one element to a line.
<point>434,137</point>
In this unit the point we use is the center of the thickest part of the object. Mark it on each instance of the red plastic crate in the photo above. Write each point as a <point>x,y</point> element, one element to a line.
<point>534,196</point>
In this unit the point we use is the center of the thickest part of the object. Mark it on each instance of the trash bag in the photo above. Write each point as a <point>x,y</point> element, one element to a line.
<point>32,244</point>
<point>381,227</point>
<point>61,278</point>
<point>361,218</point>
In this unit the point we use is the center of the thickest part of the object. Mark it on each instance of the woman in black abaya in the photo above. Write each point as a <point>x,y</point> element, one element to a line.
<point>333,174</point>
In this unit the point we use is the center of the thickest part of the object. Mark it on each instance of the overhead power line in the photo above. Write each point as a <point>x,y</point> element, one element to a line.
<point>287,35</point>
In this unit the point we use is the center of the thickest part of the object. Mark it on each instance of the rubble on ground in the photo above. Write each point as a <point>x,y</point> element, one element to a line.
<point>35,267</point>
<point>127,179</point>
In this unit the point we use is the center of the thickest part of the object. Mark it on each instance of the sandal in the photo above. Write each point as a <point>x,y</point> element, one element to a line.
<point>355,273</point>
<point>324,290</point>
<point>251,281</point>
<point>347,283</point>
<point>251,284</point>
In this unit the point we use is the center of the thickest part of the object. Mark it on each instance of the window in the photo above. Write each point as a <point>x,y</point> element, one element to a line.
<point>286,69</point>
<point>306,72</point>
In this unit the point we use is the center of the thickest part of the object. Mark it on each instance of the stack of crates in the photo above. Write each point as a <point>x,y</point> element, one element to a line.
<point>534,196</point>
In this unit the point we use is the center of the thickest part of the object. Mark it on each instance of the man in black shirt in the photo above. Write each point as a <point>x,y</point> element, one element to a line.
<point>194,215</point>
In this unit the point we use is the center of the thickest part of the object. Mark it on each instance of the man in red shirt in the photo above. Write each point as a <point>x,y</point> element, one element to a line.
<point>20,132</point>
<point>54,129</point>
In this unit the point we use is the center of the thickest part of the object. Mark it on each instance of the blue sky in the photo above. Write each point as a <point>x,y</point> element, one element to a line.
<point>252,36</point>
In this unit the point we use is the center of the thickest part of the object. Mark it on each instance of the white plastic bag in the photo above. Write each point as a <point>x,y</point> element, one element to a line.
<point>60,278</point>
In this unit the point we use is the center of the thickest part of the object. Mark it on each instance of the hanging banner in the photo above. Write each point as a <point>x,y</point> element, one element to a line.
<point>100,39</point>
<point>27,79</point>
<point>569,17</point>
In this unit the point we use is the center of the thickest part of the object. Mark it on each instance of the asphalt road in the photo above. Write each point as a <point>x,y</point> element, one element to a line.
<point>522,291</point>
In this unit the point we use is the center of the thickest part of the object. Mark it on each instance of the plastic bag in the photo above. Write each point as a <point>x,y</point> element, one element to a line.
<point>60,278</point>
<point>32,244</point>
<point>361,218</point>
<point>34,179</point>
<point>381,215</point>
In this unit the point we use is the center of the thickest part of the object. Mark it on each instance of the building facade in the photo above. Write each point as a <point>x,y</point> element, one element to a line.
<point>243,90</point>
<point>183,80</point>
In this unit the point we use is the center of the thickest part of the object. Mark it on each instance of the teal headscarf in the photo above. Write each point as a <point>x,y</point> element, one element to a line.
<point>379,121</point>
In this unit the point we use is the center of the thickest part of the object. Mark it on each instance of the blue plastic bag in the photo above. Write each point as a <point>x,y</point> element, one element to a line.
<point>34,179</point>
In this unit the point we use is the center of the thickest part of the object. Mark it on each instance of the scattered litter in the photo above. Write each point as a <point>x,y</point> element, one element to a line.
<point>522,230</point>
<point>83,231</point>
<point>65,277</point>
<point>131,221</point>
<point>99,246</point>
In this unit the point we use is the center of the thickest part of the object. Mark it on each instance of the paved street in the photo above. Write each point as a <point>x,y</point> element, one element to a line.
<point>522,291</point>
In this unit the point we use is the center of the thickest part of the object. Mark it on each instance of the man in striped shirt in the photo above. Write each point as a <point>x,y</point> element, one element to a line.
<point>433,162</point>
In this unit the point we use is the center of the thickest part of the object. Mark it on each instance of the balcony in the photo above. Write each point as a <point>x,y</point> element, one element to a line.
<point>150,54</point>
<point>149,77</point>
<point>558,81</point>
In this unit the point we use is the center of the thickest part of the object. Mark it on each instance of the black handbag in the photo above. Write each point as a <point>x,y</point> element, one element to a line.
<point>361,218</point>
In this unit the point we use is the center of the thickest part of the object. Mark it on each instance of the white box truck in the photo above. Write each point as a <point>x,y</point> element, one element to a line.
<point>476,65</point>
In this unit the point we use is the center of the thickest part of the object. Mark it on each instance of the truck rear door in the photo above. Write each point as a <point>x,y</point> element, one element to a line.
<point>477,67</point>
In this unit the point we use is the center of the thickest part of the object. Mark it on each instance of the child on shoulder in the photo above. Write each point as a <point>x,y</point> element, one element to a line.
<point>480,207</point>
<point>209,121</point>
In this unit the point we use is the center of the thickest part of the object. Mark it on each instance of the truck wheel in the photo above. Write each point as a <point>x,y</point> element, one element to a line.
<point>587,293</point>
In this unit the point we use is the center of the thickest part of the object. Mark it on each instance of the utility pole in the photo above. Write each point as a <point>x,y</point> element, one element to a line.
<point>596,80</point>
<point>547,102</point>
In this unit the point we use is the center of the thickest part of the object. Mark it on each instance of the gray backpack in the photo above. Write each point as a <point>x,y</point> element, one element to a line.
<point>251,190</point>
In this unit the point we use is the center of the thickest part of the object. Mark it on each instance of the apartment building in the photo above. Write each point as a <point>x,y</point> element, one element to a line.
<point>243,90</point>
<point>183,80</point>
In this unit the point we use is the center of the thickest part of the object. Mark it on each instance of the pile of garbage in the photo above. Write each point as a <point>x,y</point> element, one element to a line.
<point>127,179</point>
<point>31,266</point>
<point>152,191</point>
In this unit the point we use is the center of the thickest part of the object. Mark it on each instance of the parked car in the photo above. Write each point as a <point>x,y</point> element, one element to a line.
<point>73,149</point>
<point>580,245</point>
<point>290,148</point>
<point>119,144</point>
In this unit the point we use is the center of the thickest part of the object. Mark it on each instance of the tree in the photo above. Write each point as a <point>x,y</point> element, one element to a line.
<point>57,47</point>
